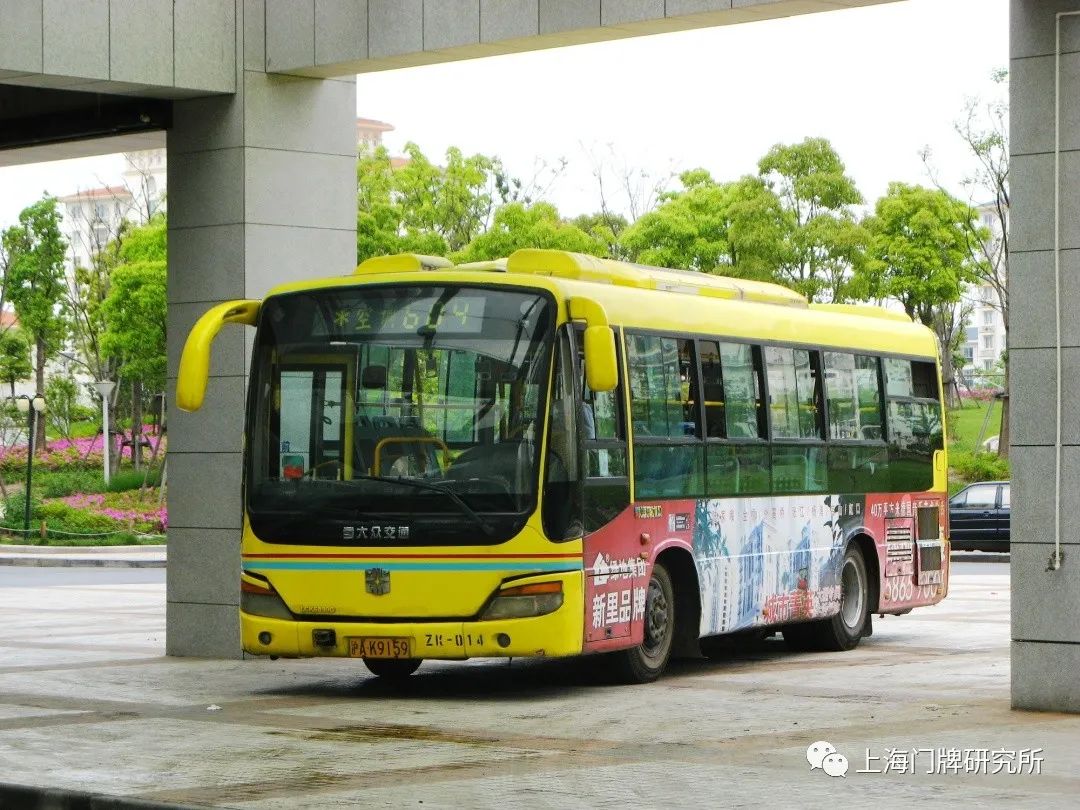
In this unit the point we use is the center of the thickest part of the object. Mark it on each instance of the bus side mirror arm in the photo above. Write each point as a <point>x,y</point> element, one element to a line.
<point>601,366</point>
<point>195,361</point>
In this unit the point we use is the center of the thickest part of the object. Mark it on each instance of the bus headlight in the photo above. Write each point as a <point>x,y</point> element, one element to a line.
<point>260,599</point>
<point>535,599</point>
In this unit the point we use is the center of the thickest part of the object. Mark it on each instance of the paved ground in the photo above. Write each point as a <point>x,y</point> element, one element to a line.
<point>88,702</point>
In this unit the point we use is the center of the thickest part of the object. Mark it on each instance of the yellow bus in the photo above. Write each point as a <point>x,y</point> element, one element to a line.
<point>555,455</point>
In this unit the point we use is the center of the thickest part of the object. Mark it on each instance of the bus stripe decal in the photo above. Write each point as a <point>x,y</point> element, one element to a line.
<point>319,565</point>
<point>412,556</point>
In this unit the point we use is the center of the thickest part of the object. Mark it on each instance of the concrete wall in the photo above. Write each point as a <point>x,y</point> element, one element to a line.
<point>160,48</point>
<point>1045,603</point>
<point>262,189</point>
<point>335,37</point>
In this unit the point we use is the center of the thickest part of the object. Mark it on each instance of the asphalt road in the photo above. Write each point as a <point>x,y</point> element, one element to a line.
<point>26,576</point>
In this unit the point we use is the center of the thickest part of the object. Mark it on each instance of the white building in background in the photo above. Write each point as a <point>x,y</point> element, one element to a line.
<point>92,217</point>
<point>984,338</point>
<point>369,132</point>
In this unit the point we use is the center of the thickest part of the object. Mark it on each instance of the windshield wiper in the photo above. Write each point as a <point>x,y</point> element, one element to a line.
<point>453,496</point>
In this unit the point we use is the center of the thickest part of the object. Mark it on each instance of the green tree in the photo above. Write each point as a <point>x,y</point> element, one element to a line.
<point>144,243</point>
<point>984,129</point>
<point>734,229</point>
<point>824,241</point>
<point>62,395</point>
<point>88,287</point>
<point>134,338</point>
<point>380,218</point>
<point>14,358</point>
<point>517,225</point>
<point>417,206</point>
<point>35,285</point>
<point>920,256</point>
<point>605,227</point>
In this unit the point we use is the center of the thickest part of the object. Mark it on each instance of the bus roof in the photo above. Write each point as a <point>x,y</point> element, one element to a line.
<point>677,301</point>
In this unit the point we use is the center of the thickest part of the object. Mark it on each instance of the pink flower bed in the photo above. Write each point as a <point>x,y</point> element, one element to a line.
<point>124,507</point>
<point>65,453</point>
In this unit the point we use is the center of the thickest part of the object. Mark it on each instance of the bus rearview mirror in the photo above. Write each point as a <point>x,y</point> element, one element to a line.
<point>195,360</point>
<point>601,368</point>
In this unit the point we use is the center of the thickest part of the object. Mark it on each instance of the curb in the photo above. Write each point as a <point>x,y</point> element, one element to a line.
<point>31,549</point>
<point>84,556</point>
<point>79,562</point>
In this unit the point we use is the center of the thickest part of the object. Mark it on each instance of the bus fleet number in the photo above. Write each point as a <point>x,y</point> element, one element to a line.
<point>906,591</point>
<point>458,640</point>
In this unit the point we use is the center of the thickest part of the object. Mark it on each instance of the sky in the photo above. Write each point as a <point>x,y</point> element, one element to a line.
<point>880,83</point>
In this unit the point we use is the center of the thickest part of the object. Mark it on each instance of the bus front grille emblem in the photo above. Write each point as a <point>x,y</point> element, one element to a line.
<point>377,581</point>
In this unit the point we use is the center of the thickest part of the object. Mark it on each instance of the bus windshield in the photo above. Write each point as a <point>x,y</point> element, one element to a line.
<point>397,415</point>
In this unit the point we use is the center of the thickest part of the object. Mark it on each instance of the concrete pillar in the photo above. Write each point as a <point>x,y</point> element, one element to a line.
<point>1045,603</point>
<point>262,189</point>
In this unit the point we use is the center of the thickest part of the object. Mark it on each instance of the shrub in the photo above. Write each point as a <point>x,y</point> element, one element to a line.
<point>126,508</point>
<point>13,511</point>
<point>124,480</point>
<point>59,517</point>
<point>82,514</point>
<point>65,482</point>
<point>980,466</point>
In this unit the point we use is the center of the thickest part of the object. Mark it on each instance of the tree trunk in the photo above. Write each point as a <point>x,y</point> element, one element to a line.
<point>39,433</point>
<point>115,451</point>
<point>136,423</point>
<point>948,378</point>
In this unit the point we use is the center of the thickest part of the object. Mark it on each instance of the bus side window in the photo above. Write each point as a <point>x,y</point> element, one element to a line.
<point>744,410</point>
<point>795,403</point>
<point>607,485</point>
<point>858,458</point>
<point>562,479</point>
<point>669,454</point>
<point>737,457</point>
<point>914,423</point>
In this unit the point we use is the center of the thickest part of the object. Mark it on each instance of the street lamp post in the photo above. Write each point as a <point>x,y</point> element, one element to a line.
<point>32,407</point>
<point>105,387</point>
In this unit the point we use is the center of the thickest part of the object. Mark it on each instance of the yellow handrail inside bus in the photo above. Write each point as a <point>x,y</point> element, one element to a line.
<point>195,360</point>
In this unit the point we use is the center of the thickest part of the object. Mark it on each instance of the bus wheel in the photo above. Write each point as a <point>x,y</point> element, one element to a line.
<point>645,662</point>
<point>852,621</point>
<point>393,669</point>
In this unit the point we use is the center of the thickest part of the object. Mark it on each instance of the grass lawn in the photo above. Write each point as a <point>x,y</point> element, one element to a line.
<point>80,430</point>
<point>967,421</point>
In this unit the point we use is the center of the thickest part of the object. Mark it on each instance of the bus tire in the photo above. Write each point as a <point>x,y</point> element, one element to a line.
<point>393,669</point>
<point>645,662</point>
<point>844,630</point>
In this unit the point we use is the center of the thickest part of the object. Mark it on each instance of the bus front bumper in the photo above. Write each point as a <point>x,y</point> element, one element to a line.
<point>555,634</point>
